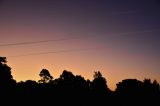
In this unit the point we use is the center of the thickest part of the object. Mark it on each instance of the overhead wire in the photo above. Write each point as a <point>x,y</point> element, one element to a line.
<point>71,38</point>
<point>42,41</point>
<point>63,39</point>
<point>59,51</point>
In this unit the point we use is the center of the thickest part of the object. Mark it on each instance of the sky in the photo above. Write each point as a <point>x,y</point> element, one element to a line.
<point>119,38</point>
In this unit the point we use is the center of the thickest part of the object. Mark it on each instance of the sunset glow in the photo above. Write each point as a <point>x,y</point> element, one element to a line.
<point>120,39</point>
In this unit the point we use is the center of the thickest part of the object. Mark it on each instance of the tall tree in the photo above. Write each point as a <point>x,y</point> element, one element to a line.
<point>5,71</point>
<point>45,76</point>
<point>99,83</point>
<point>2,60</point>
<point>67,75</point>
<point>7,83</point>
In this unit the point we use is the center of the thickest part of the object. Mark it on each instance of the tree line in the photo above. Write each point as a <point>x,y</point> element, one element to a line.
<point>74,87</point>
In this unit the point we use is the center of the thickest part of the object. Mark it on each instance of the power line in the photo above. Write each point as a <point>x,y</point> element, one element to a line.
<point>60,51</point>
<point>72,38</point>
<point>42,41</point>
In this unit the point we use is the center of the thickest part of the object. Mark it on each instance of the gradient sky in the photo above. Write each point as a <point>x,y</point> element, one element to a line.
<point>120,38</point>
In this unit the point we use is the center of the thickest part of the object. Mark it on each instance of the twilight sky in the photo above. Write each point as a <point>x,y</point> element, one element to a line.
<point>121,38</point>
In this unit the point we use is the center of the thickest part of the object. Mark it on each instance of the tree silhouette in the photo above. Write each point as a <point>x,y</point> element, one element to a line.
<point>81,85</point>
<point>66,80</point>
<point>69,87</point>
<point>80,82</point>
<point>67,75</point>
<point>97,75</point>
<point>2,60</point>
<point>7,83</point>
<point>149,88</point>
<point>5,73</point>
<point>156,85</point>
<point>129,87</point>
<point>156,88</point>
<point>99,84</point>
<point>45,76</point>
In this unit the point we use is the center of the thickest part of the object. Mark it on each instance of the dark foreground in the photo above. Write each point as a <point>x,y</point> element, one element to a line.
<point>70,89</point>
